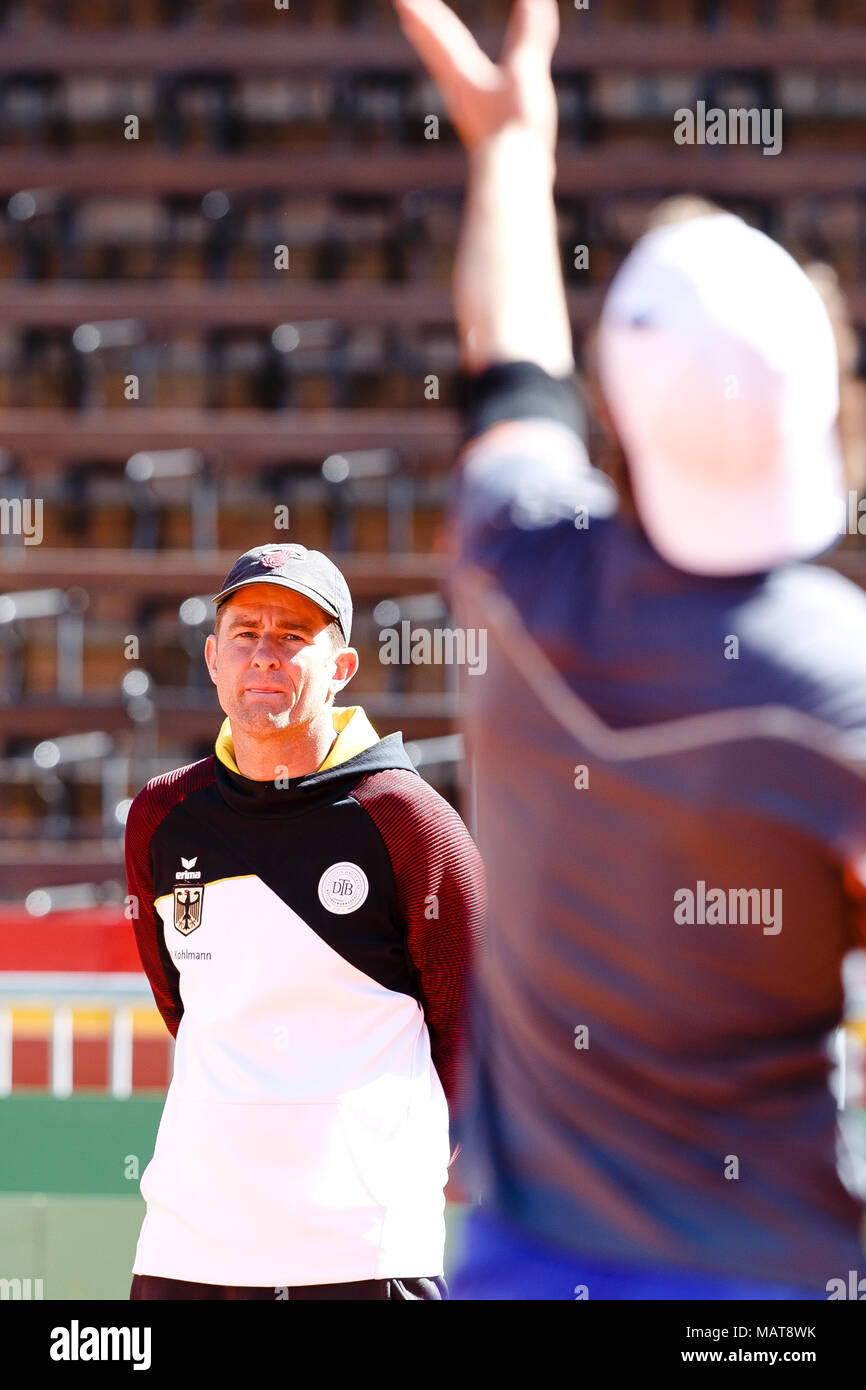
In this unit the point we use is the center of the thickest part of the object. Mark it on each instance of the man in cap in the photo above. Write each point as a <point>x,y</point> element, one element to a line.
<point>306,908</point>
<point>676,842</point>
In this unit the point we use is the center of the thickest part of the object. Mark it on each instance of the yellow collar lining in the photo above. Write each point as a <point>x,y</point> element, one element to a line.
<point>351,725</point>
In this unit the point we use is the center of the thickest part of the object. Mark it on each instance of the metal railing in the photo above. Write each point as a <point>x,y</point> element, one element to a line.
<point>61,995</point>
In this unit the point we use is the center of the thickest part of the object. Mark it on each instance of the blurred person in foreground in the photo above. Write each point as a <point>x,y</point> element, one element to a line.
<point>669,742</point>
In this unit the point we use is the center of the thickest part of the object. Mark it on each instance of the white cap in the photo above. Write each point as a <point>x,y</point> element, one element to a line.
<point>718,364</point>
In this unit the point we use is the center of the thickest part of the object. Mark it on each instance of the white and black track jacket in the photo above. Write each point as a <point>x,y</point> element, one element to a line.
<point>307,945</point>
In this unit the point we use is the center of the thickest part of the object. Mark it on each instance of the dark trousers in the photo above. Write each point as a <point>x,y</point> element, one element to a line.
<point>152,1286</point>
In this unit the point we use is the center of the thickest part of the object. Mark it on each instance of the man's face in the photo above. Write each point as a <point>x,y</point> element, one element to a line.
<point>273,661</point>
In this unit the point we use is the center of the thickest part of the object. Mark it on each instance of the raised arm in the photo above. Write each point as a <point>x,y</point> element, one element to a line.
<point>509,296</point>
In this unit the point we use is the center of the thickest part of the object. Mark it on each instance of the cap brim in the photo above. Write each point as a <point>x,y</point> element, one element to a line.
<point>296,586</point>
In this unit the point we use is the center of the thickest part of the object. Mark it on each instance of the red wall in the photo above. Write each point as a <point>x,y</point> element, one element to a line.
<point>91,939</point>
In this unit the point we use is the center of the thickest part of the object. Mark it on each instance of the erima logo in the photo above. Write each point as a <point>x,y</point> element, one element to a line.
<point>188,871</point>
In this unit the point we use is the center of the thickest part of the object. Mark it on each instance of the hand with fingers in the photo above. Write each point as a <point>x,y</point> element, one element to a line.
<point>484,98</point>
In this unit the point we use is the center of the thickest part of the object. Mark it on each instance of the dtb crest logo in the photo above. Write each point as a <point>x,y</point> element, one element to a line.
<point>188,901</point>
<point>343,888</point>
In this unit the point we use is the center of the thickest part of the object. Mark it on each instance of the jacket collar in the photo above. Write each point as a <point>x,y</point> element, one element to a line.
<point>354,733</point>
<point>357,751</point>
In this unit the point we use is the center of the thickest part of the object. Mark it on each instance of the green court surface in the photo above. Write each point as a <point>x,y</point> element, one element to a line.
<point>70,1208</point>
<point>80,1247</point>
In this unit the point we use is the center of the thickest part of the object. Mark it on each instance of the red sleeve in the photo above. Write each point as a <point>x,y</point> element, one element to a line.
<point>441,896</point>
<point>147,811</point>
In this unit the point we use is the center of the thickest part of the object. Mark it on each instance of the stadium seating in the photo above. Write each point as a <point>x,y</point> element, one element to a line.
<point>169,392</point>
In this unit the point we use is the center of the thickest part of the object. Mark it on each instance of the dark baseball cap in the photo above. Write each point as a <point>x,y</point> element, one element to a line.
<point>306,571</point>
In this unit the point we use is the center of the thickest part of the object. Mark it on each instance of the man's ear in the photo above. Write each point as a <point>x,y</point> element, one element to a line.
<point>346,664</point>
<point>210,647</point>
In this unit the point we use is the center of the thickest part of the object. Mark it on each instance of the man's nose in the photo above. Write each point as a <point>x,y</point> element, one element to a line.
<point>266,652</point>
